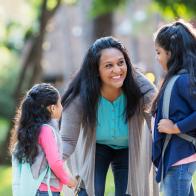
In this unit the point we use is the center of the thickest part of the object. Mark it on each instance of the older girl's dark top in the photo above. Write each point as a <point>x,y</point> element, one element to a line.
<point>182,111</point>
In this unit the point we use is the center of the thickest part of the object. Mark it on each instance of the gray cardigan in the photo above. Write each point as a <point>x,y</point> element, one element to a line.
<point>79,144</point>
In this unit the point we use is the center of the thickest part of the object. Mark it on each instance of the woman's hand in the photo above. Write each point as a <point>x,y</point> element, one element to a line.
<point>72,183</point>
<point>167,126</point>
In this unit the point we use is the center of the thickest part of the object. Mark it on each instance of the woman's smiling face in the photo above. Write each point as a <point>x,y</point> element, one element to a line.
<point>112,68</point>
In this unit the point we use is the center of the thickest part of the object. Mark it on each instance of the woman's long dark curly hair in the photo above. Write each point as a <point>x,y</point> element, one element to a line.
<point>87,83</point>
<point>178,38</point>
<point>31,115</point>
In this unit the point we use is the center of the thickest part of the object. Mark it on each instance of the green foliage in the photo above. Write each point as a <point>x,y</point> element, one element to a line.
<point>5,186</point>
<point>70,2</point>
<point>14,36</point>
<point>51,4</point>
<point>176,8</point>
<point>14,33</point>
<point>5,182</point>
<point>4,124</point>
<point>101,7</point>
<point>9,70</point>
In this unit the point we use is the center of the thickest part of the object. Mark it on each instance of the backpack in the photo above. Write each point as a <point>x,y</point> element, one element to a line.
<point>25,183</point>
<point>22,171</point>
<point>165,114</point>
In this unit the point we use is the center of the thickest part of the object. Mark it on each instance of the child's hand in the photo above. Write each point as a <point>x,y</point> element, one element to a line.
<point>167,126</point>
<point>72,183</point>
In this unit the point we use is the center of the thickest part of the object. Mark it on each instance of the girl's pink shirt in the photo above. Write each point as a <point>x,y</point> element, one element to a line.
<point>186,160</point>
<point>47,141</point>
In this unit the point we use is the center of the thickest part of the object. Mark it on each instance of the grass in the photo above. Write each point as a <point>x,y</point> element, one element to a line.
<point>6,178</point>
<point>194,182</point>
<point>5,182</point>
<point>109,191</point>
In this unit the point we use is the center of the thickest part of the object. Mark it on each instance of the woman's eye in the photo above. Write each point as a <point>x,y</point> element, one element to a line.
<point>121,62</point>
<point>108,66</point>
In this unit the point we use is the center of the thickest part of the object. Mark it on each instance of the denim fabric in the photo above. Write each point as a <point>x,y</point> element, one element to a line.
<point>45,193</point>
<point>118,159</point>
<point>178,180</point>
<point>82,192</point>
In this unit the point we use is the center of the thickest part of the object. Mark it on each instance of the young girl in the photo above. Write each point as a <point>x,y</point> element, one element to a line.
<point>176,52</point>
<point>37,143</point>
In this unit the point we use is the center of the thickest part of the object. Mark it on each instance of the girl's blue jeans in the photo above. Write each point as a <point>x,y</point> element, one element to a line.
<point>178,181</point>
<point>45,193</point>
<point>119,163</point>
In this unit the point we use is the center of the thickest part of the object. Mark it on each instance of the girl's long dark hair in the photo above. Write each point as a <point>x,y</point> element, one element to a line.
<point>87,83</point>
<point>178,38</point>
<point>32,114</point>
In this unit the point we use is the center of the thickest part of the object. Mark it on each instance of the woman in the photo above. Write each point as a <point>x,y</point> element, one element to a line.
<point>102,120</point>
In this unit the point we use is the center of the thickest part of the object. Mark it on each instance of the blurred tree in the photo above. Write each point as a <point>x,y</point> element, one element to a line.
<point>31,71</point>
<point>34,51</point>
<point>8,76</point>
<point>32,37</point>
<point>177,8</point>
<point>102,12</point>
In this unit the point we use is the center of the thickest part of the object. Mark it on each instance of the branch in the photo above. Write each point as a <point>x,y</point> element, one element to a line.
<point>48,14</point>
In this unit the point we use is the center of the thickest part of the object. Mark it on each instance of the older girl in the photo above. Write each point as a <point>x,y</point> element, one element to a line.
<point>175,45</point>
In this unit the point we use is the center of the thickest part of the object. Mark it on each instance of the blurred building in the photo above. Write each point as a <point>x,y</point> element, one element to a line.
<point>70,34</point>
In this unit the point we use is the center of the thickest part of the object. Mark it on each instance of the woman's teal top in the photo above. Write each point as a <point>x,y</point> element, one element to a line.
<point>111,129</point>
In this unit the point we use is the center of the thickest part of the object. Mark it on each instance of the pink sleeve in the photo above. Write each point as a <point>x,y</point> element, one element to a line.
<point>48,143</point>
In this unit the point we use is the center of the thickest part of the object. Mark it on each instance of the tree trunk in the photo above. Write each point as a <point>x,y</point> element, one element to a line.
<point>102,26</point>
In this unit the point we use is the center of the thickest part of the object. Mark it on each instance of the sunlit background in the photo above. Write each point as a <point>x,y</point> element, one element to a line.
<point>45,40</point>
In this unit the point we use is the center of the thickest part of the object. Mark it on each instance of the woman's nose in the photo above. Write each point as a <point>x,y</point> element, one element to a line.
<point>116,69</point>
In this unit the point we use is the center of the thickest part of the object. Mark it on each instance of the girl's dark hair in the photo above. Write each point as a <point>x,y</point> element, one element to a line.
<point>32,114</point>
<point>178,38</point>
<point>87,83</point>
